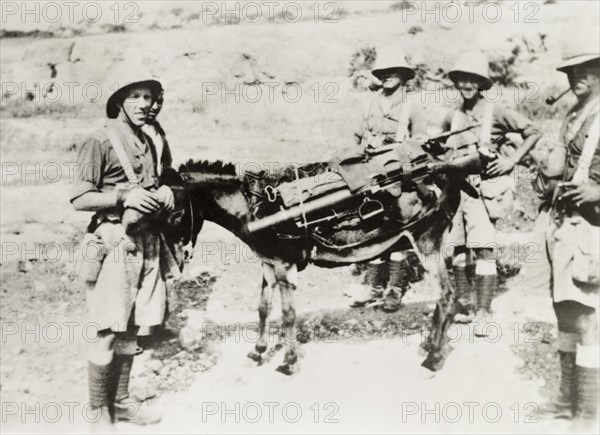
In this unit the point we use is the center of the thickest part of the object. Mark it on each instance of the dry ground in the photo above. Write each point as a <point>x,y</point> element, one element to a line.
<point>360,368</point>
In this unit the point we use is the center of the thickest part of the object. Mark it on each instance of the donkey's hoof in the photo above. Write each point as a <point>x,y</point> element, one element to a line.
<point>255,356</point>
<point>425,347</point>
<point>286,369</point>
<point>261,348</point>
<point>434,361</point>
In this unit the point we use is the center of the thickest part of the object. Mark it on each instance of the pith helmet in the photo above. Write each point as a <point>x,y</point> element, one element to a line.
<point>124,77</point>
<point>392,59</point>
<point>475,64</point>
<point>578,51</point>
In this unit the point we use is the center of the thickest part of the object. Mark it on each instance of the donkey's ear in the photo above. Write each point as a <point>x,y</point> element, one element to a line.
<point>170,177</point>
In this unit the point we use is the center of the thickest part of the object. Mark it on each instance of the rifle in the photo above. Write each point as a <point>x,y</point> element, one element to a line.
<point>432,145</point>
<point>415,172</point>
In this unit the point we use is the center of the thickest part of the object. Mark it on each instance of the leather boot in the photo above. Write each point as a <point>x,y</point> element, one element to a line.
<point>485,288</point>
<point>125,408</point>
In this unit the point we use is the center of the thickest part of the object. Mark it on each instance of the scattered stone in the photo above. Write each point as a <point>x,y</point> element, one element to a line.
<point>154,365</point>
<point>197,330</point>
<point>145,392</point>
<point>167,368</point>
<point>181,354</point>
<point>39,286</point>
<point>24,266</point>
<point>351,323</point>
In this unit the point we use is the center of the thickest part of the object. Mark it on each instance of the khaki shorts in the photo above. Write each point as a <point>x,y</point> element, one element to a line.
<point>131,287</point>
<point>552,267</point>
<point>471,226</point>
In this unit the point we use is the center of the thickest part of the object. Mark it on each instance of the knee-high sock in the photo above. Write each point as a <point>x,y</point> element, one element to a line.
<point>485,283</point>
<point>100,371</point>
<point>587,362</point>
<point>399,270</point>
<point>122,374</point>
<point>567,348</point>
<point>376,274</point>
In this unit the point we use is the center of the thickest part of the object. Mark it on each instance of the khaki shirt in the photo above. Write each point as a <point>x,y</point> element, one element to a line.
<point>385,120</point>
<point>496,122</point>
<point>98,167</point>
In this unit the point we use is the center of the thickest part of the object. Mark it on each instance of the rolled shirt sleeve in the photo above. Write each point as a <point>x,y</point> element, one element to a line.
<point>511,121</point>
<point>88,170</point>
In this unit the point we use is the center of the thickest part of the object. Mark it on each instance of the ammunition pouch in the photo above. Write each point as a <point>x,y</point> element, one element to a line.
<point>586,259</point>
<point>88,259</point>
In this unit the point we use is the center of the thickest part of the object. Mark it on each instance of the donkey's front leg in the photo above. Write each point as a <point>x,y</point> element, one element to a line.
<point>287,277</point>
<point>269,283</point>
<point>443,316</point>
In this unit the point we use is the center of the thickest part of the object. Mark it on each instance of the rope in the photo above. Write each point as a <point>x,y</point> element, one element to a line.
<point>305,221</point>
<point>300,202</point>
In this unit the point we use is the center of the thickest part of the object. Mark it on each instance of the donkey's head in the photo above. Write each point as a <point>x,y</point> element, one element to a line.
<point>216,190</point>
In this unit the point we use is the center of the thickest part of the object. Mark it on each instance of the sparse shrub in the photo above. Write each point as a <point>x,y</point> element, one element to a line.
<point>176,11</point>
<point>21,34</point>
<point>360,66</point>
<point>421,75</point>
<point>503,69</point>
<point>341,13</point>
<point>114,28</point>
<point>414,30</point>
<point>362,59</point>
<point>26,109</point>
<point>401,5</point>
<point>198,108</point>
<point>193,16</point>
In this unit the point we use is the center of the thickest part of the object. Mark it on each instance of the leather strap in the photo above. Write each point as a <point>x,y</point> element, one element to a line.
<point>587,153</point>
<point>119,148</point>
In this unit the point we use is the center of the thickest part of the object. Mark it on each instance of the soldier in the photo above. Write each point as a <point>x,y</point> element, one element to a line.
<point>157,135</point>
<point>570,226</point>
<point>126,278</point>
<point>473,228</point>
<point>391,116</point>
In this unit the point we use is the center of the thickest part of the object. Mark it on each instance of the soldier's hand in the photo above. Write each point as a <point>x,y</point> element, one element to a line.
<point>500,166</point>
<point>581,193</point>
<point>141,200</point>
<point>164,194</point>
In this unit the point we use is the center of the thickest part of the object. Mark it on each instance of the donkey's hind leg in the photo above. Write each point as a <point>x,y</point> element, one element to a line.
<point>287,277</point>
<point>269,283</point>
<point>445,310</point>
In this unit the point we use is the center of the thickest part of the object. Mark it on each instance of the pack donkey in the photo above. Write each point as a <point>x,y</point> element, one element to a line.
<point>237,202</point>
